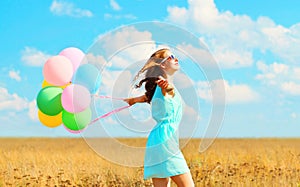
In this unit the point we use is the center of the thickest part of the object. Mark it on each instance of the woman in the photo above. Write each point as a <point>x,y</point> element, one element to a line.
<point>163,158</point>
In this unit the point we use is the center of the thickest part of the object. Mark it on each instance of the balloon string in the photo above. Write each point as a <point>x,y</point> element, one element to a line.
<point>111,112</point>
<point>108,97</point>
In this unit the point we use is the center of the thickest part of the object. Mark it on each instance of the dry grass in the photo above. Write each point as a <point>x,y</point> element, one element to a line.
<point>70,162</point>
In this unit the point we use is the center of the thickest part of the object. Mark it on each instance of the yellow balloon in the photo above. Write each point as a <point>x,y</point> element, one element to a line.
<point>50,121</point>
<point>45,84</point>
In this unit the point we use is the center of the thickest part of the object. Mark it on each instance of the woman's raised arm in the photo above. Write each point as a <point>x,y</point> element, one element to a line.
<point>133,100</point>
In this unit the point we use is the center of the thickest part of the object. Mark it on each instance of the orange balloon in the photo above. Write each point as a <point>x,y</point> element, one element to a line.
<point>50,121</point>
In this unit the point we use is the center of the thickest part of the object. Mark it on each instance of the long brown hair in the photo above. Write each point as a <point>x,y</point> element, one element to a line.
<point>153,70</point>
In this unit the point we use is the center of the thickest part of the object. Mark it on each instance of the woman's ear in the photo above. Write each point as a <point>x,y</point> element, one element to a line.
<point>162,65</point>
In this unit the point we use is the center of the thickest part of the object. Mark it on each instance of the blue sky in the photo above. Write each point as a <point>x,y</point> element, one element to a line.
<point>256,44</point>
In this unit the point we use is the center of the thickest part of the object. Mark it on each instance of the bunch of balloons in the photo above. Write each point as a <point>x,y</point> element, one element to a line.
<point>66,91</point>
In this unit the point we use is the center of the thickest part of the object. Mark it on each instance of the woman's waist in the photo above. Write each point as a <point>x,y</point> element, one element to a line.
<point>162,122</point>
<point>168,125</point>
<point>168,119</point>
<point>163,134</point>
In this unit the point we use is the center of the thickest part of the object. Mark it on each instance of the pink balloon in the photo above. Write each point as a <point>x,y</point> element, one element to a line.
<point>75,55</point>
<point>58,70</point>
<point>75,98</point>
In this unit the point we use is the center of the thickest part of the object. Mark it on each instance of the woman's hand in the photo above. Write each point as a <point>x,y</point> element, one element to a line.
<point>133,100</point>
<point>165,86</point>
<point>130,101</point>
<point>162,82</point>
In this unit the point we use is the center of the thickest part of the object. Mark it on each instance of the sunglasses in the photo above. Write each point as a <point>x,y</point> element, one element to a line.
<point>168,58</point>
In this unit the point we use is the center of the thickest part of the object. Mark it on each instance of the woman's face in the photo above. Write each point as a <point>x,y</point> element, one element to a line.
<point>170,63</point>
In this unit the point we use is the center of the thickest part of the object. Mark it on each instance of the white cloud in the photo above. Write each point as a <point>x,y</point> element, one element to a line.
<point>233,38</point>
<point>15,75</point>
<point>291,88</point>
<point>122,16</point>
<point>284,43</point>
<point>181,80</point>
<point>224,32</point>
<point>115,5</point>
<point>293,115</point>
<point>234,94</point>
<point>33,110</point>
<point>12,105</point>
<point>131,51</point>
<point>126,37</point>
<point>179,14</point>
<point>271,73</point>
<point>198,53</point>
<point>33,57</point>
<point>229,58</point>
<point>116,83</point>
<point>284,77</point>
<point>61,8</point>
<point>12,102</point>
<point>190,111</point>
<point>97,60</point>
<point>189,122</point>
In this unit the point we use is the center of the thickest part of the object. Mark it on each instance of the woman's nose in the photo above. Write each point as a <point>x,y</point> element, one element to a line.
<point>176,59</point>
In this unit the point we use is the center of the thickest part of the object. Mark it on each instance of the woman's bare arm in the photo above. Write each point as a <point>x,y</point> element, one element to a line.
<point>133,100</point>
<point>163,83</point>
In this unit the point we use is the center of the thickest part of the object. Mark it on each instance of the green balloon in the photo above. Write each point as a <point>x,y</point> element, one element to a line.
<point>49,100</point>
<point>76,121</point>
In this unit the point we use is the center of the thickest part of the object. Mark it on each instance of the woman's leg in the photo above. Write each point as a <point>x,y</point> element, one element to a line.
<point>160,182</point>
<point>183,180</point>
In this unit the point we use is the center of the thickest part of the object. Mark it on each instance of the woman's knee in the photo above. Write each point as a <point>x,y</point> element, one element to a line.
<point>160,182</point>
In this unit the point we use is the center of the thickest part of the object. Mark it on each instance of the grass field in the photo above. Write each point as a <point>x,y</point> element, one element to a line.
<point>71,162</point>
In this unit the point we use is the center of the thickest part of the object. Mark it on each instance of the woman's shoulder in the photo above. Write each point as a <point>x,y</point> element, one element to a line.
<point>157,92</point>
<point>165,94</point>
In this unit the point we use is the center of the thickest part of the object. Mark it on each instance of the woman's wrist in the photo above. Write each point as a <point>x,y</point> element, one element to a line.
<point>140,99</point>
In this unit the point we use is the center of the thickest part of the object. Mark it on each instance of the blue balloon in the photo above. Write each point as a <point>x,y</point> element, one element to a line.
<point>89,76</point>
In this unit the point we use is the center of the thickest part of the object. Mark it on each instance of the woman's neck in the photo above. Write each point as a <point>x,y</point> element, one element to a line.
<point>169,77</point>
<point>169,91</point>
